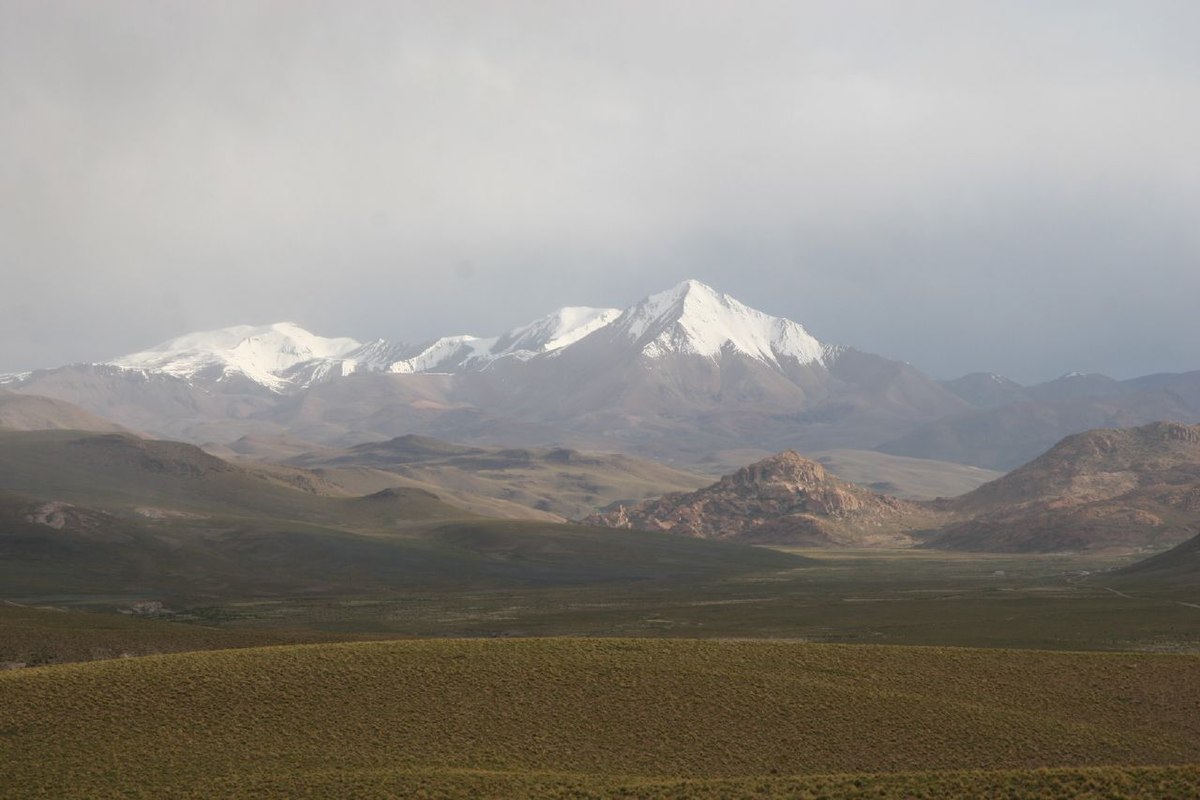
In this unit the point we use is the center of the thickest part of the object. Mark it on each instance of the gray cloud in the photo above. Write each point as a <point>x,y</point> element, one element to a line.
<point>1000,186</point>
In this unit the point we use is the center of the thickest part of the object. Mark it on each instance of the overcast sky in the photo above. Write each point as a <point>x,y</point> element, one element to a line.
<point>1001,186</point>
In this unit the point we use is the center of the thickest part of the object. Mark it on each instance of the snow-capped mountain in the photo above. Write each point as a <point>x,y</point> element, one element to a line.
<point>688,319</point>
<point>547,335</point>
<point>284,357</point>
<point>555,331</point>
<point>695,319</point>
<point>263,354</point>
<point>678,374</point>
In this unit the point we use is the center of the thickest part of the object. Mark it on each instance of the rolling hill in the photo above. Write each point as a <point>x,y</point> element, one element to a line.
<point>615,717</point>
<point>553,481</point>
<point>113,514</point>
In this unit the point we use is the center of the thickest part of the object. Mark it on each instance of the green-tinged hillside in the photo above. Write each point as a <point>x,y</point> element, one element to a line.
<point>634,718</point>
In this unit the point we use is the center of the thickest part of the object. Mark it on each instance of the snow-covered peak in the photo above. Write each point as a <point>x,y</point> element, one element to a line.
<point>260,353</point>
<point>448,354</point>
<point>693,318</point>
<point>690,318</point>
<point>555,331</point>
<point>546,335</point>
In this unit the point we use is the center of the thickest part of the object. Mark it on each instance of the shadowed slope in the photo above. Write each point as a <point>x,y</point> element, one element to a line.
<point>1179,566</point>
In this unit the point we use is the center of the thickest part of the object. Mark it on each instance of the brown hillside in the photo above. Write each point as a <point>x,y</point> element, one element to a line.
<point>1123,489</point>
<point>30,412</point>
<point>784,499</point>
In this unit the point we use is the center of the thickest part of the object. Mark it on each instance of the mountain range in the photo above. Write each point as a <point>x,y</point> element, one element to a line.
<point>689,375</point>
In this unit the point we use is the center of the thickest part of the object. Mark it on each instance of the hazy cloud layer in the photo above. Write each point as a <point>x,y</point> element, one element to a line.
<point>965,185</point>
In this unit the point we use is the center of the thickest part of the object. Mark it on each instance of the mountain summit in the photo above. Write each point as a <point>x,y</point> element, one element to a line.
<point>695,319</point>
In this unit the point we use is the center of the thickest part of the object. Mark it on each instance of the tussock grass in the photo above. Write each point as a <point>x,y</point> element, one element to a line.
<point>585,718</point>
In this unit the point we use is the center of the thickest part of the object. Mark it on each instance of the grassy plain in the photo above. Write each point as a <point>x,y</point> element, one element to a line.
<point>913,597</point>
<point>614,717</point>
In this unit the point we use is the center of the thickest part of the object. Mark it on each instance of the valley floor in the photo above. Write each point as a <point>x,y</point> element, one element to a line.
<point>911,597</point>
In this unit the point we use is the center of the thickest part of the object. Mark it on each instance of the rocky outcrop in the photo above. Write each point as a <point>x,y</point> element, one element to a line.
<point>784,499</point>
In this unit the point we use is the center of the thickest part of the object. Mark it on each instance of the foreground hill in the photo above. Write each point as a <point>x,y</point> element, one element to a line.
<point>784,499</point>
<point>1130,488</point>
<point>555,718</point>
<point>87,514</point>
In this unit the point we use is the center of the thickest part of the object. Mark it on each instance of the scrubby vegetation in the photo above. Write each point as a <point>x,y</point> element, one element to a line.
<point>578,718</point>
<point>34,637</point>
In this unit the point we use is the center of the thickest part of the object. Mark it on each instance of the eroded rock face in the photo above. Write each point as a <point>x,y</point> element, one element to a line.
<point>784,499</point>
